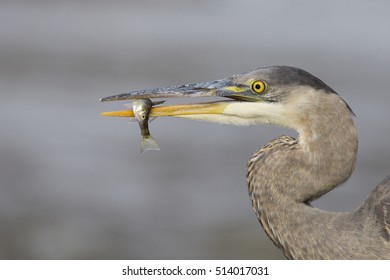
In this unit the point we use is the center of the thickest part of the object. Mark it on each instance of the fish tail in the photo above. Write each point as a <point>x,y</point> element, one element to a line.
<point>148,143</point>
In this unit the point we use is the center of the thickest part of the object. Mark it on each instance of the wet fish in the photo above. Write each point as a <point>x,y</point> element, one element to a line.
<point>141,109</point>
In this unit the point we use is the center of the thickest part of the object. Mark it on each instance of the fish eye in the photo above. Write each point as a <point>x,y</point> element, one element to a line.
<point>258,86</point>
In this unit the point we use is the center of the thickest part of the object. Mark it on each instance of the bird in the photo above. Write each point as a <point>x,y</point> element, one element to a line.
<point>287,174</point>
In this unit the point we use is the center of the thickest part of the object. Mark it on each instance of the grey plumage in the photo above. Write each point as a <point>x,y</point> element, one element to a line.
<point>285,175</point>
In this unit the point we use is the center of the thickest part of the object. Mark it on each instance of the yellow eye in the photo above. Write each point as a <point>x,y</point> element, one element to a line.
<point>258,86</point>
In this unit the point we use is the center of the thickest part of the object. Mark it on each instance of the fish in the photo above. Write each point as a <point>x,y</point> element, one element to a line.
<point>141,109</point>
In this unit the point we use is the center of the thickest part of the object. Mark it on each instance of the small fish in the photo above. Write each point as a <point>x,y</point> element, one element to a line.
<point>141,109</point>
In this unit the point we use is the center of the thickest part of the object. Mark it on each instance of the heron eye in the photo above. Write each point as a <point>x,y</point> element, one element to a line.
<point>258,86</point>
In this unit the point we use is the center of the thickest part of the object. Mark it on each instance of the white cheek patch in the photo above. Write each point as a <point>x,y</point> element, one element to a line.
<point>251,113</point>
<point>260,113</point>
<point>223,119</point>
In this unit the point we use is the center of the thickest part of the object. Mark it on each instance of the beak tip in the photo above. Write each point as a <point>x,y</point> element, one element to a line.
<point>125,113</point>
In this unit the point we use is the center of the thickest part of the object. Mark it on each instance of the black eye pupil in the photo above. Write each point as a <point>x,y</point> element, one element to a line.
<point>257,86</point>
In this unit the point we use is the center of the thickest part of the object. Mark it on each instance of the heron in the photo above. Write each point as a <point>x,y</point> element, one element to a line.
<point>287,174</point>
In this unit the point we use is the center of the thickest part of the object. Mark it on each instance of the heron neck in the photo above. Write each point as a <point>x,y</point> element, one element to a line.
<point>286,174</point>
<point>322,158</point>
<point>325,154</point>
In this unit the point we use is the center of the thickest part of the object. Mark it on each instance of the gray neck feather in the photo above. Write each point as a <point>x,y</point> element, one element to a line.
<point>285,175</point>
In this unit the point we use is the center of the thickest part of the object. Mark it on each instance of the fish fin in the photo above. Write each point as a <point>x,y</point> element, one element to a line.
<point>148,143</point>
<point>158,102</point>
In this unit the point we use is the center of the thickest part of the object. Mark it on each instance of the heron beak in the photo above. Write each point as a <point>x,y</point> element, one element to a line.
<point>218,88</point>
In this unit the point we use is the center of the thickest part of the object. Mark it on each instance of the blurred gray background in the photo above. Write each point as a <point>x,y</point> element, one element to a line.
<point>73,184</point>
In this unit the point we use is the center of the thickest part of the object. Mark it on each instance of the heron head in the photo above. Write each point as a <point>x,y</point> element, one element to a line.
<point>274,95</point>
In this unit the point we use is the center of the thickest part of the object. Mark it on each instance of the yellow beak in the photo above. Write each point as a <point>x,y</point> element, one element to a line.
<point>177,110</point>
